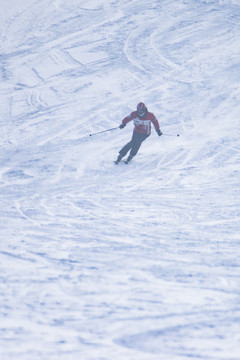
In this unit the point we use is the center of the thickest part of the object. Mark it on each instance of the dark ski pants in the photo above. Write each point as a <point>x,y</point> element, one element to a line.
<point>133,145</point>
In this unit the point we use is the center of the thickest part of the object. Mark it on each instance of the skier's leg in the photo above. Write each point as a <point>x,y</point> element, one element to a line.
<point>125,149</point>
<point>137,142</point>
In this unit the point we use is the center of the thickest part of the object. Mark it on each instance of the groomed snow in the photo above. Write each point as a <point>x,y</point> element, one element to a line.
<point>127,262</point>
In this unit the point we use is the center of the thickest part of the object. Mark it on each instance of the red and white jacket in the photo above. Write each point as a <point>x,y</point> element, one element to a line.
<point>142,125</point>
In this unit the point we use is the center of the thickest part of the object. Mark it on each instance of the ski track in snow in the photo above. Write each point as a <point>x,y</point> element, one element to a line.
<point>137,261</point>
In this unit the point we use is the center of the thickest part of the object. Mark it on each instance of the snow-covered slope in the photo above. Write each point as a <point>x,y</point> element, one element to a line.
<point>138,261</point>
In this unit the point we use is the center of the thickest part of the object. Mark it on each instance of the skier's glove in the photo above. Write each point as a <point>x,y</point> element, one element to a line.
<point>122,126</point>
<point>159,132</point>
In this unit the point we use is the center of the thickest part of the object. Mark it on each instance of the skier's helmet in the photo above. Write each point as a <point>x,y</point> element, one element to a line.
<point>141,109</point>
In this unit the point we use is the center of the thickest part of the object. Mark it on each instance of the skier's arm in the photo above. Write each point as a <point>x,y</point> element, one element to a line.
<point>156,125</point>
<point>126,120</point>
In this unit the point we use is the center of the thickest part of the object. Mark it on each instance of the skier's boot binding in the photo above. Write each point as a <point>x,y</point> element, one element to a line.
<point>128,159</point>
<point>118,159</point>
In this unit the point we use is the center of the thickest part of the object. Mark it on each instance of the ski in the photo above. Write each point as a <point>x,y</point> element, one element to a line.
<point>123,161</point>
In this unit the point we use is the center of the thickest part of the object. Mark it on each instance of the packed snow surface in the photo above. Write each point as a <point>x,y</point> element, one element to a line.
<point>126,262</point>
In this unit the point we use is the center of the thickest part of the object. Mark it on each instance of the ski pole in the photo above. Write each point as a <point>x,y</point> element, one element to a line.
<point>170,134</point>
<point>100,132</point>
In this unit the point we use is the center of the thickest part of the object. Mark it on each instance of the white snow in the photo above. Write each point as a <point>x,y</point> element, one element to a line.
<point>138,261</point>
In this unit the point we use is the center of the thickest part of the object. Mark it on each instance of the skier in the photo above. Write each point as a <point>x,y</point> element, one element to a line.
<point>142,119</point>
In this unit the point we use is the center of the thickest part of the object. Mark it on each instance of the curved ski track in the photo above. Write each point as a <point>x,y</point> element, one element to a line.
<point>129,261</point>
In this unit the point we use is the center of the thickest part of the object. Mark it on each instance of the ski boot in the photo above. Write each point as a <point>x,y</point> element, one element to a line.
<point>118,159</point>
<point>128,160</point>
